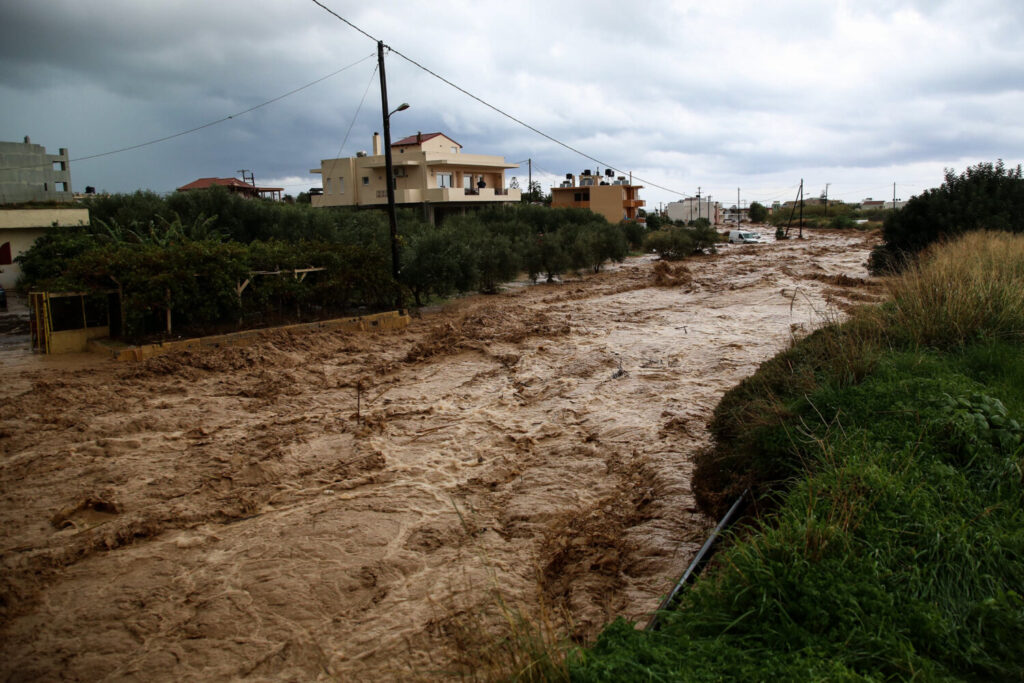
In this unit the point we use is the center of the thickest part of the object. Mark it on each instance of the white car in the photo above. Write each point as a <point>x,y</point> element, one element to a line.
<point>743,237</point>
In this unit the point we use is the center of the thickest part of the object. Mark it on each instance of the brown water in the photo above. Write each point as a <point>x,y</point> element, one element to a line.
<point>324,505</point>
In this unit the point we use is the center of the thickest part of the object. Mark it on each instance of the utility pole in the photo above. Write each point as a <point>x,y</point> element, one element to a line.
<point>801,208</point>
<point>894,196</point>
<point>698,205</point>
<point>529,181</point>
<point>826,199</point>
<point>388,169</point>
<point>737,207</point>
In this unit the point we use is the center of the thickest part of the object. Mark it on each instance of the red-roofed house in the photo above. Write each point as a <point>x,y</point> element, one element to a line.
<point>430,172</point>
<point>235,185</point>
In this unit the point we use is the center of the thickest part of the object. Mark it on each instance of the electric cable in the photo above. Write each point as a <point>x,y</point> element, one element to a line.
<point>491,106</point>
<point>358,109</point>
<point>211,123</point>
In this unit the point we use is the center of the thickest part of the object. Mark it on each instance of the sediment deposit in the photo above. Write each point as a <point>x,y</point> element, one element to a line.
<point>341,505</point>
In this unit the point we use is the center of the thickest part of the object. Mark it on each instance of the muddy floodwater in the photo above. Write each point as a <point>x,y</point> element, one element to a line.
<point>327,505</point>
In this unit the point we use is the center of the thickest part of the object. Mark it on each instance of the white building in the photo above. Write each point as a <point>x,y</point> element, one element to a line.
<point>691,208</point>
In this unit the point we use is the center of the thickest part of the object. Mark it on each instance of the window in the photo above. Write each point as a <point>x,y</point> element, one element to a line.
<point>455,150</point>
<point>366,180</point>
<point>444,179</point>
<point>467,182</point>
<point>60,186</point>
<point>341,186</point>
<point>400,172</point>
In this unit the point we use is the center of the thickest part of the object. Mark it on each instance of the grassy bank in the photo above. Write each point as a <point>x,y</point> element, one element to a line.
<point>886,453</point>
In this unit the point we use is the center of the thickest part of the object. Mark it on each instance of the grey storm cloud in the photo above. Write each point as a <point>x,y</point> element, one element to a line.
<point>736,93</point>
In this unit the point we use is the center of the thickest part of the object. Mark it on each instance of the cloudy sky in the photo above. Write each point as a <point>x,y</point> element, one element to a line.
<point>719,95</point>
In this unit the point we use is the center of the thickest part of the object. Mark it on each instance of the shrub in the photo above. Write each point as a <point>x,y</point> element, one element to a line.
<point>672,244</point>
<point>983,197</point>
<point>758,212</point>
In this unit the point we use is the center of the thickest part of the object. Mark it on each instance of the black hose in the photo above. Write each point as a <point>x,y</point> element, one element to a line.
<point>699,562</point>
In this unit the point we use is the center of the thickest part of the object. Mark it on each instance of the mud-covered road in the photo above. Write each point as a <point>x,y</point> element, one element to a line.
<point>326,505</point>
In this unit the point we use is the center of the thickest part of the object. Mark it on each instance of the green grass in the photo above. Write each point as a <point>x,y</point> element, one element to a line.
<point>886,454</point>
<point>898,555</point>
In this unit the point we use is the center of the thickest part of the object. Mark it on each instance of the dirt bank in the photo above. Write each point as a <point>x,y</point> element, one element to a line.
<point>325,504</point>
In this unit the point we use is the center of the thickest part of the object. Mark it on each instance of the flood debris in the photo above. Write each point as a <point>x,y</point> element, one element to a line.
<point>285,510</point>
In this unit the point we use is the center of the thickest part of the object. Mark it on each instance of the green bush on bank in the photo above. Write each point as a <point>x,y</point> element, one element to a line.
<point>887,457</point>
<point>983,197</point>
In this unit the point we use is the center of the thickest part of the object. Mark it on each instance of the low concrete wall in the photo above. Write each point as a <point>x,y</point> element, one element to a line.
<point>391,320</point>
<point>75,341</point>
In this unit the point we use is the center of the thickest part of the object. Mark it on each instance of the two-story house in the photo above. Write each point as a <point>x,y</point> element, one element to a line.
<point>617,199</point>
<point>430,171</point>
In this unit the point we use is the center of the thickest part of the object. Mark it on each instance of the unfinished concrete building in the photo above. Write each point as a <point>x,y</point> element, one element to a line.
<point>29,174</point>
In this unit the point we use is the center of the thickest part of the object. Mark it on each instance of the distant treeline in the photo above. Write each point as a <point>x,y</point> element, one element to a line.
<point>191,253</point>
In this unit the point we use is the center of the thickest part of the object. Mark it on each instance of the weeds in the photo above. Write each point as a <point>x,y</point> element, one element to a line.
<point>890,451</point>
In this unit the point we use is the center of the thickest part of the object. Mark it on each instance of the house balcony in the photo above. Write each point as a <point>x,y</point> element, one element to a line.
<point>458,194</point>
<point>634,203</point>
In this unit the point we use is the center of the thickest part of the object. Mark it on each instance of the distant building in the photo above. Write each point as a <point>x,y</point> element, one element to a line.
<point>430,171</point>
<point>808,201</point>
<point>235,186</point>
<point>29,174</point>
<point>736,214</point>
<point>870,203</point>
<point>691,208</point>
<point>614,198</point>
<point>19,229</point>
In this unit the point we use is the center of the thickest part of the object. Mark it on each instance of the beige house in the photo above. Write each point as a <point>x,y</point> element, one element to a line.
<point>692,208</point>
<point>614,198</point>
<point>19,229</point>
<point>430,171</point>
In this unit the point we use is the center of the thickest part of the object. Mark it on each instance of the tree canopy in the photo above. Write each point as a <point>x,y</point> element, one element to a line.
<point>986,196</point>
<point>214,259</point>
<point>758,212</point>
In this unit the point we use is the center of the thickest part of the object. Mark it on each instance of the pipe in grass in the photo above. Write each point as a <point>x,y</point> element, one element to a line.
<point>699,562</point>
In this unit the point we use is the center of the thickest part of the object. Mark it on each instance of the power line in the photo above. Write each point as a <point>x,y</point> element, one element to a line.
<point>330,11</point>
<point>358,109</point>
<point>211,123</point>
<point>491,106</point>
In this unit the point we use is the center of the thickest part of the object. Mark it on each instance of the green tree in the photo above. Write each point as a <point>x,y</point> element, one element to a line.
<point>986,196</point>
<point>535,195</point>
<point>671,244</point>
<point>758,212</point>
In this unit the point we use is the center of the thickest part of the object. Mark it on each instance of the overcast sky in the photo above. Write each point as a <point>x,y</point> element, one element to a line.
<point>714,95</point>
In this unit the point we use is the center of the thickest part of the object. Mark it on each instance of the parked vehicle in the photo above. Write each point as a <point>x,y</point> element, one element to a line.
<point>3,299</point>
<point>744,237</point>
